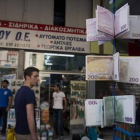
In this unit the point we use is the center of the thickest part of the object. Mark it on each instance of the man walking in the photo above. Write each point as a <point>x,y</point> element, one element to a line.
<point>5,104</point>
<point>25,107</point>
<point>58,97</point>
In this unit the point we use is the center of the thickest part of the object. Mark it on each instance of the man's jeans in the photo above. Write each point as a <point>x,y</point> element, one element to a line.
<point>3,113</point>
<point>58,121</point>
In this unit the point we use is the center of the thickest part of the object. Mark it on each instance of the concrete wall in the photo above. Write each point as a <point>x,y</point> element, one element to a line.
<point>34,11</point>
<point>77,11</point>
<point>42,11</point>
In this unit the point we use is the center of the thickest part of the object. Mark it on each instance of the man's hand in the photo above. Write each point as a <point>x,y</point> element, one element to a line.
<point>7,109</point>
<point>65,107</point>
<point>35,138</point>
<point>64,110</point>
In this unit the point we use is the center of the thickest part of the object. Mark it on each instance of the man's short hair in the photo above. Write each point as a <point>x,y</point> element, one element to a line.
<point>5,81</point>
<point>58,86</point>
<point>28,71</point>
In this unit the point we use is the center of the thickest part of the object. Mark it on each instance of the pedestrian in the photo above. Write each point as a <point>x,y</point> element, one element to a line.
<point>5,104</point>
<point>25,106</point>
<point>58,110</point>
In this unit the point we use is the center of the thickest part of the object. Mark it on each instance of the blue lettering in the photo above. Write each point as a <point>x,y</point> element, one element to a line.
<point>8,77</point>
<point>18,36</point>
<point>26,37</point>
<point>7,34</point>
<point>1,34</point>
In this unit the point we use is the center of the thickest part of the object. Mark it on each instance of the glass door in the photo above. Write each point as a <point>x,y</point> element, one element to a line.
<point>74,87</point>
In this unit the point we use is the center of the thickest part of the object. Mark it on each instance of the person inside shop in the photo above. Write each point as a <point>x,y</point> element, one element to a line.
<point>5,104</point>
<point>58,110</point>
<point>25,128</point>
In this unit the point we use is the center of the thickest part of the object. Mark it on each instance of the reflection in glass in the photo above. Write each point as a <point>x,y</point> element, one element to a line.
<point>53,61</point>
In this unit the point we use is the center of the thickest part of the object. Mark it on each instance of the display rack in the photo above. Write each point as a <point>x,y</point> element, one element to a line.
<point>116,128</point>
<point>78,96</point>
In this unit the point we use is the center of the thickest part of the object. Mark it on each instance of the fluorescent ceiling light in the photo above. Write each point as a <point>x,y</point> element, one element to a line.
<point>55,54</point>
<point>48,64</point>
<point>43,80</point>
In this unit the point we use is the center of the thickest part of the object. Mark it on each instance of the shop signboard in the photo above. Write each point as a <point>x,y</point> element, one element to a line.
<point>32,36</point>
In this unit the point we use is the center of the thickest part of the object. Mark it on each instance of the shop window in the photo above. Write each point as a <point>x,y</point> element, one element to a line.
<point>52,61</point>
<point>59,12</point>
<point>9,58</point>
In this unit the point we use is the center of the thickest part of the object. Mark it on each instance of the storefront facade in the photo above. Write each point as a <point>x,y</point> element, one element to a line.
<point>59,54</point>
<point>29,36</point>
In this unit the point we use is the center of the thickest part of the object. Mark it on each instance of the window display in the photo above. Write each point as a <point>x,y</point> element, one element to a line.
<point>8,58</point>
<point>55,61</point>
<point>78,96</point>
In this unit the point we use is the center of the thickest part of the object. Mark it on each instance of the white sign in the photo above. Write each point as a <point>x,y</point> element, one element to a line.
<point>9,78</point>
<point>129,69</point>
<point>134,32</point>
<point>93,112</point>
<point>43,37</point>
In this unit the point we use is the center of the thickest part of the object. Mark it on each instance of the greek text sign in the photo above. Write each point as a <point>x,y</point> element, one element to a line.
<point>43,37</point>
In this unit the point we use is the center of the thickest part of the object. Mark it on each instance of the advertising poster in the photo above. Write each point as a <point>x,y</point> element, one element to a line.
<point>9,77</point>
